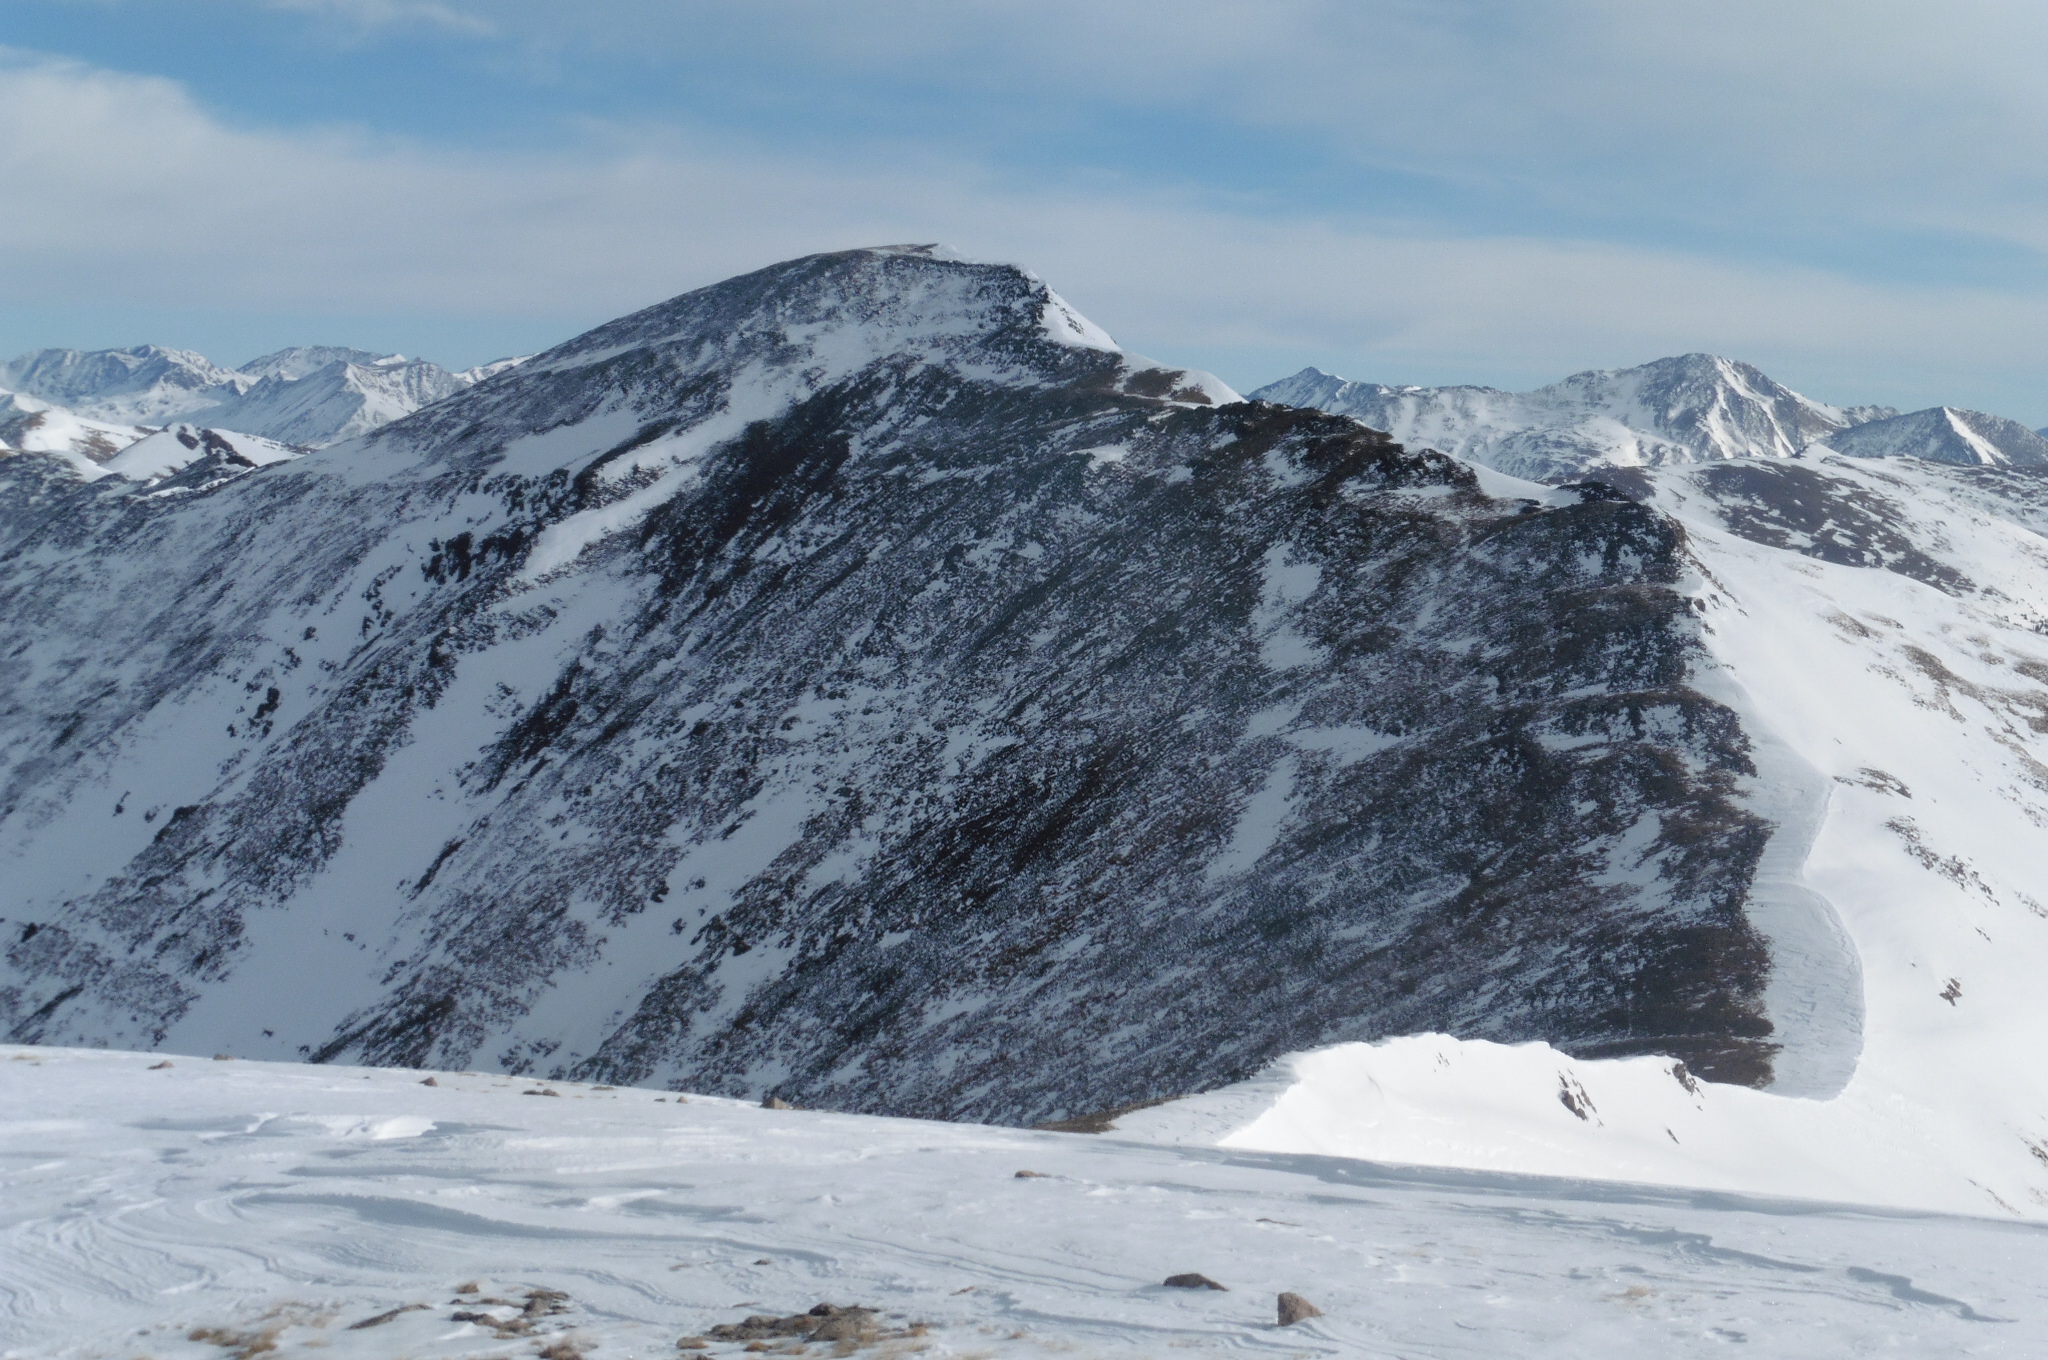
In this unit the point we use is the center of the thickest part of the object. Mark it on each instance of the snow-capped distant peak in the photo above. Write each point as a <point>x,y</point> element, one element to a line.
<point>147,384</point>
<point>1945,434</point>
<point>300,361</point>
<point>307,395</point>
<point>1681,409</point>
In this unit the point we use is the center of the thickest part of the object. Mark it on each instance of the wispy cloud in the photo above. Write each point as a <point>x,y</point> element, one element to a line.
<point>380,14</point>
<point>122,189</point>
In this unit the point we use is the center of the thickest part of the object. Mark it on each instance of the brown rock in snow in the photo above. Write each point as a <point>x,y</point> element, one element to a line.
<point>1193,1281</point>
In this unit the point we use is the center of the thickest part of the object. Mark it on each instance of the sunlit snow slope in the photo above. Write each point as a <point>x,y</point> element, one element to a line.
<point>199,1210</point>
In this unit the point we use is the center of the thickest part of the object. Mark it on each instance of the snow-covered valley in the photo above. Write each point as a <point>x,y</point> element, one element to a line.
<point>189,1209</point>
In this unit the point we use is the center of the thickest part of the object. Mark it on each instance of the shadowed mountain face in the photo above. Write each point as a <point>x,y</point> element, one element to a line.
<point>860,681</point>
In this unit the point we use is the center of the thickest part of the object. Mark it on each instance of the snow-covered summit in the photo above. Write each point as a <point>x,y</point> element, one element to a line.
<point>1944,434</point>
<point>342,398</point>
<point>1688,408</point>
<point>145,385</point>
<point>827,316</point>
<point>309,395</point>
<point>702,365</point>
<point>92,449</point>
<point>299,361</point>
<point>179,447</point>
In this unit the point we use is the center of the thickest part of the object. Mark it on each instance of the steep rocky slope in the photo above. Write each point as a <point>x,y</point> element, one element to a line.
<point>862,682</point>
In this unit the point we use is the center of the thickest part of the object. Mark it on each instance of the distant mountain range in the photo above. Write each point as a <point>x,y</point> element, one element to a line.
<point>91,403</point>
<point>1685,409</point>
<point>87,405</point>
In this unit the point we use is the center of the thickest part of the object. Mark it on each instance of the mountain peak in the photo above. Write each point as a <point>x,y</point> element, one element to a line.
<point>755,345</point>
<point>146,383</point>
<point>923,297</point>
<point>1946,434</point>
<point>1678,409</point>
<point>298,361</point>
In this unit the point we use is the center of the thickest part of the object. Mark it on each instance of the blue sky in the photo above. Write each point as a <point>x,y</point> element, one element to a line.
<point>1850,194</point>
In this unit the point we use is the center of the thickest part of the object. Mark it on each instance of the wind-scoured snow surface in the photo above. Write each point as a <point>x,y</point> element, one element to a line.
<point>861,681</point>
<point>1689,408</point>
<point>212,1209</point>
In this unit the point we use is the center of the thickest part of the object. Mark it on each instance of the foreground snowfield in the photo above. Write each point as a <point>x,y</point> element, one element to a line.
<point>244,1201</point>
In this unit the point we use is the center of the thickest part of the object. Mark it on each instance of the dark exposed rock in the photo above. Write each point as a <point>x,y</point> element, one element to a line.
<point>545,1302</point>
<point>1834,518</point>
<point>1294,1308</point>
<point>1192,1280</point>
<point>380,1319</point>
<point>823,1322</point>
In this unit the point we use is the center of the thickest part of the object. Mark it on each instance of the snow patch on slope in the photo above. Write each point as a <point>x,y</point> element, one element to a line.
<point>160,454</point>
